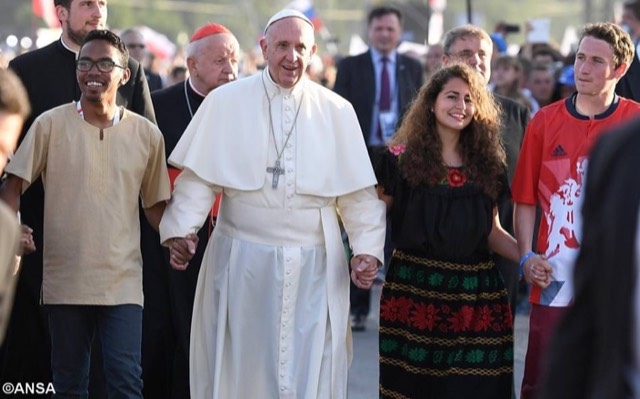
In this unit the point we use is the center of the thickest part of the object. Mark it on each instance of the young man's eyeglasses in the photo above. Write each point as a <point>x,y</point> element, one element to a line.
<point>105,66</point>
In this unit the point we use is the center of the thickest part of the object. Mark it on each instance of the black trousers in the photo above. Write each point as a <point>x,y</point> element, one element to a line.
<point>166,320</point>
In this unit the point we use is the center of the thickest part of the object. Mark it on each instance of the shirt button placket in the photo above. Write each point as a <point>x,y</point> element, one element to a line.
<point>289,165</point>
<point>290,284</point>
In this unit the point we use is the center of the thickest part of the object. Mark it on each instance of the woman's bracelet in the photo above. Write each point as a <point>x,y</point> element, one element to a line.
<point>524,260</point>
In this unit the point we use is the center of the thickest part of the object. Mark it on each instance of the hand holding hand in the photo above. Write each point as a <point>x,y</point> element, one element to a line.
<point>181,251</point>
<point>537,270</point>
<point>364,269</point>
<point>27,245</point>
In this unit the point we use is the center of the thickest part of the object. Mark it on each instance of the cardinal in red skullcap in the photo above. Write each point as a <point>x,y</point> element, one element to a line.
<point>212,60</point>
<point>208,30</point>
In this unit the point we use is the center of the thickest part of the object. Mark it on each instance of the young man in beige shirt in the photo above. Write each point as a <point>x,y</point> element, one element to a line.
<point>95,159</point>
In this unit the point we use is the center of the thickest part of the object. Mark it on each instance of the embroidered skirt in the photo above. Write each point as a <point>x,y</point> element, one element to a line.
<point>445,331</point>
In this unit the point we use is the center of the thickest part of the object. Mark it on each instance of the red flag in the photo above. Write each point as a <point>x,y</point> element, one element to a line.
<point>47,11</point>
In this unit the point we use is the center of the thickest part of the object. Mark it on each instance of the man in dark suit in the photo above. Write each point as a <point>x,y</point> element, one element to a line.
<point>629,85</point>
<point>359,77</point>
<point>49,76</point>
<point>380,84</point>
<point>472,45</point>
<point>595,352</point>
<point>169,293</point>
<point>361,80</point>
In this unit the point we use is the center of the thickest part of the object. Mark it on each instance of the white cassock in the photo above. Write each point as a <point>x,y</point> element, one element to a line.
<point>272,302</point>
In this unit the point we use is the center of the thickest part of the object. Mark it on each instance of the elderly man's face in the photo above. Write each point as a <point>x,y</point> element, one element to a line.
<point>287,47</point>
<point>215,62</point>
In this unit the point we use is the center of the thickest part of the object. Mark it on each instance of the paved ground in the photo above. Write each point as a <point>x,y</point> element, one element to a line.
<point>363,376</point>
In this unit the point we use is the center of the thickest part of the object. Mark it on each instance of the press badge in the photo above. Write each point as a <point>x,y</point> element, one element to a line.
<point>387,120</point>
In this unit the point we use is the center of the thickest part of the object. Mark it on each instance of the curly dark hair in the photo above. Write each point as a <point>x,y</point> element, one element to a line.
<point>480,145</point>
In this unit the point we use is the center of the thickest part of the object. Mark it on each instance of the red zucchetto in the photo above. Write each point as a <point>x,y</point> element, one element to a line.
<point>208,30</point>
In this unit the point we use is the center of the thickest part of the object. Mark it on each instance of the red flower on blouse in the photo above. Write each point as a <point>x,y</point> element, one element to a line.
<point>456,178</point>
<point>398,149</point>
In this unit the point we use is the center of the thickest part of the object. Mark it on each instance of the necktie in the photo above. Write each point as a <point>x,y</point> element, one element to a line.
<point>385,87</point>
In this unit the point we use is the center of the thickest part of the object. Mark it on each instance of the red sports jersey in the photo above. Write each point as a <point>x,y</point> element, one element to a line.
<point>550,173</point>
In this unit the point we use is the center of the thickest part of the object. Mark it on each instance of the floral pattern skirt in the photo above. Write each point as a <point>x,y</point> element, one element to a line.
<point>445,331</point>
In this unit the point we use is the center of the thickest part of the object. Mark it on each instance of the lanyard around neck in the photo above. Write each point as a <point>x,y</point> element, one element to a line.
<point>116,117</point>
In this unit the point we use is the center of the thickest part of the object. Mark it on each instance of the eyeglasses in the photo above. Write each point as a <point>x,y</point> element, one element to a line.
<point>135,45</point>
<point>105,66</point>
<point>468,54</point>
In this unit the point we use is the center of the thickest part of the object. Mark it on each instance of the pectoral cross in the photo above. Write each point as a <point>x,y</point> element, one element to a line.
<point>276,171</point>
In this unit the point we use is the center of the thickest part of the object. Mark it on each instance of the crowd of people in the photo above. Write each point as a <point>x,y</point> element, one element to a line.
<point>187,238</point>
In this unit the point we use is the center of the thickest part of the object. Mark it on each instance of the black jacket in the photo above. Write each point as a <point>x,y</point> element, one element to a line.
<point>629,85</point>
<point>172,111</point>
<point>355,81</point>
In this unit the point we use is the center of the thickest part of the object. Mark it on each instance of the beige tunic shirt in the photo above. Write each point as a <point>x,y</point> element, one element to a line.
<point>92,182</point>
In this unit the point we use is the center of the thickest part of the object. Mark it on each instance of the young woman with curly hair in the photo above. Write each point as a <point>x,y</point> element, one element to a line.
<point>445,322</point>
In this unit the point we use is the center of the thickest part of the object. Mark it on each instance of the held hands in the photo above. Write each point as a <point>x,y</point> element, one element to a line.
<point>27,245</point>
<point>537,270</point>
<point>364,269</point>
<point>181,250</point>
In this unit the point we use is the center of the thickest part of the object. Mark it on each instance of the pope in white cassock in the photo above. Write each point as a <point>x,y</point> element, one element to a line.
<point>272,303</point>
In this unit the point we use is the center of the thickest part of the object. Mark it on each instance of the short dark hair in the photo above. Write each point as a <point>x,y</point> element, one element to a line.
<point>13,96</point>
<point>111,38</point>
<point>381,11</point>
<point>178,69</point>
<point>64,3</point>
<point>546,50</point>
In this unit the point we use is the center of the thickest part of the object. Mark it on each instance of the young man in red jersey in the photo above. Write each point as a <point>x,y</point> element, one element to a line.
<point>550,173</point>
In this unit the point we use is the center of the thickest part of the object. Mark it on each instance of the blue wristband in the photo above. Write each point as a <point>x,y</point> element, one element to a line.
<point>524,260</point>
